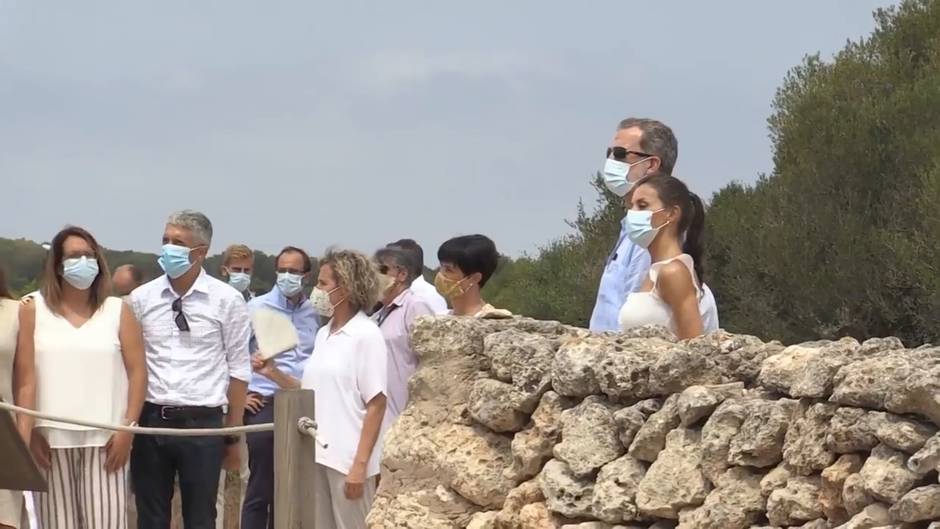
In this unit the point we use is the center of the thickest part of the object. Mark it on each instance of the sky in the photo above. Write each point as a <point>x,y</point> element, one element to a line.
<point>358,123</point>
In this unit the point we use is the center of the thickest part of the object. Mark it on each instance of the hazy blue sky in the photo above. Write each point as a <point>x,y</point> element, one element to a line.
<point>356,123</point>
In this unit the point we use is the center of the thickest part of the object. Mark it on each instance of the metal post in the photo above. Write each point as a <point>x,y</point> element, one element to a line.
<point>293,460</point>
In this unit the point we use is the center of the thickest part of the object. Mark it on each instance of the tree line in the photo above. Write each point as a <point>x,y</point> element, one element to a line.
<point>841,238</point>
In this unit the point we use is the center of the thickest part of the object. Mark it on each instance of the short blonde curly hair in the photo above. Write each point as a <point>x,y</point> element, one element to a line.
<point>357,274</point>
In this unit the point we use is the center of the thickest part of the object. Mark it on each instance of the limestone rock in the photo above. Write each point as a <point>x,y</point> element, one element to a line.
<point>589,436</point>
<point>496,405</point>
<point>473,463</point>
<point>675,481</point>
<point>918,505</point>
<point>717,434</point>
<point>738,356</point>
<point>536,516</point>
<point>651,438</point>
<point>815,524</point>
<point>759,441</point>
<point>523,359</point>
<point>851,430</point>
<point>565,493</point>
<point>804,448</point>
<point>525,494</point>
<point>625,371</point>
<point>875,515</point>
<point>927,458</point>
<point>600,525</point>
<point>807,370</point>
<point>483,520</point>
<point>437,508</point>
<point>736,503</point>
<point>885,475</point>
<point>574,366</point>
<point>677,368</point>
<point>698,402</point>
<point>902,434</point>
<point>629,420</point>
<point>901,382</point>
<point>615,491</point>
<point>532,447</point>
<point>854,495</point>
<point>797,503</point>
<point>833,483</point>
<point>775,479</point>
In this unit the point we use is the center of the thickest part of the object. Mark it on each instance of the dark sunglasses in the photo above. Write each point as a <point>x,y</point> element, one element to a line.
<point>620,153</point>
<point>180,318</point>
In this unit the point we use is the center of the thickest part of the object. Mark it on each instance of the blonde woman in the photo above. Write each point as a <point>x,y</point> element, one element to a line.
<point>348,373</point>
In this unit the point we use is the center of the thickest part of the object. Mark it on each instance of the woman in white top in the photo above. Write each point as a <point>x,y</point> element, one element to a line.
<point>669,220</point>
<point>348,372</point>
<point>80,355</point>
<point>11,502</point>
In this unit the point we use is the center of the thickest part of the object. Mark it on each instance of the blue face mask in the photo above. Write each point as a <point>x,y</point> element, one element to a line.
<point>239,280</point>
<point>175,260</point>
<point>617,176</point>
<point>640,228</point>
<point>80,272</point>
<point>290,284</point>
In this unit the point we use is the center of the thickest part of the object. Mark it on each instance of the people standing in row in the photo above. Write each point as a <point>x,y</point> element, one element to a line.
<point>71,333</point>
<point>11,501</point>
<point>396,318</point>
<point>125,279</point>
<point>668,220</point>
<point>238,263</point>
<point>467,263</point>
<point>640,148</point>
<point>293,267</point>
<point>419,286</point>
<point>196,333</point>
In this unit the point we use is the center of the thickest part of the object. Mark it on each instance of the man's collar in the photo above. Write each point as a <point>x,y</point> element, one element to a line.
<point>200,285</point>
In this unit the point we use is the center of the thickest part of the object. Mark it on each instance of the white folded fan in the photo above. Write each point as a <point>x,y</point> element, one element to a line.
<point>274,333</point>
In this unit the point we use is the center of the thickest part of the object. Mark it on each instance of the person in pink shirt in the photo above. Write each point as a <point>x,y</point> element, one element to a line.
<point>400,307</point>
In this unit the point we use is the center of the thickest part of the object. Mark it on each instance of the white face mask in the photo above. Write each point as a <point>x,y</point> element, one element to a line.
<point>290,284</point>
<point>640,227</point>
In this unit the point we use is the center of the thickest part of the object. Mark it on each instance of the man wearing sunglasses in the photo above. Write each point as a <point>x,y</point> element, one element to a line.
<point>640,148</point>
<point>196,332</point>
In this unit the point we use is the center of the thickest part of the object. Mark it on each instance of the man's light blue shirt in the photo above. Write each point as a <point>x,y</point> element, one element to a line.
<point>624,273</point>
<point>291,362</point>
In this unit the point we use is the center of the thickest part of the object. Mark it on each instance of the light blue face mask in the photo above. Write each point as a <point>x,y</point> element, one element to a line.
<point>175,260</point>
<point>80,272</point>
<point>290,284</point>
<point>239,280</point>
<point>640,228</point>
<point>616,176</point>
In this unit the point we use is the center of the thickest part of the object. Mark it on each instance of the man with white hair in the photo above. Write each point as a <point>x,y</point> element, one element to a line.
<point>196,333</point>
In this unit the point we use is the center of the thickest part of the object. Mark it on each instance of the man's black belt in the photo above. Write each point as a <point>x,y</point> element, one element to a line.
<point>181,413</point>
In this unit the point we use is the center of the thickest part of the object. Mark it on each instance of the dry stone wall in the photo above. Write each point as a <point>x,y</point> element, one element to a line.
<point>529,424</point>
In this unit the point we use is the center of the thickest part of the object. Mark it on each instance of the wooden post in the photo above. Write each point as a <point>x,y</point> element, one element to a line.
<point>293,461</point>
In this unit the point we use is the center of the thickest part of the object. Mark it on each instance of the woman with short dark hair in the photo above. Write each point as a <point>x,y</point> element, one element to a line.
<point>467,263</point>
<point>85,350</point>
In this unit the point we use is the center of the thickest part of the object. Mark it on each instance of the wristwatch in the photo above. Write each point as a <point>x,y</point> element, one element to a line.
<point>230,440</point>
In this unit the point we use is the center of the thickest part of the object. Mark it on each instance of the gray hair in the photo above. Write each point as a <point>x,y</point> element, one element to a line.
<point>657,139</point>
<point>194,221</point>
<point>400,257</point>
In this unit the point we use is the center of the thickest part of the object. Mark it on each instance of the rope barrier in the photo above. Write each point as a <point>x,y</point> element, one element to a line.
<point>173,432</point>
